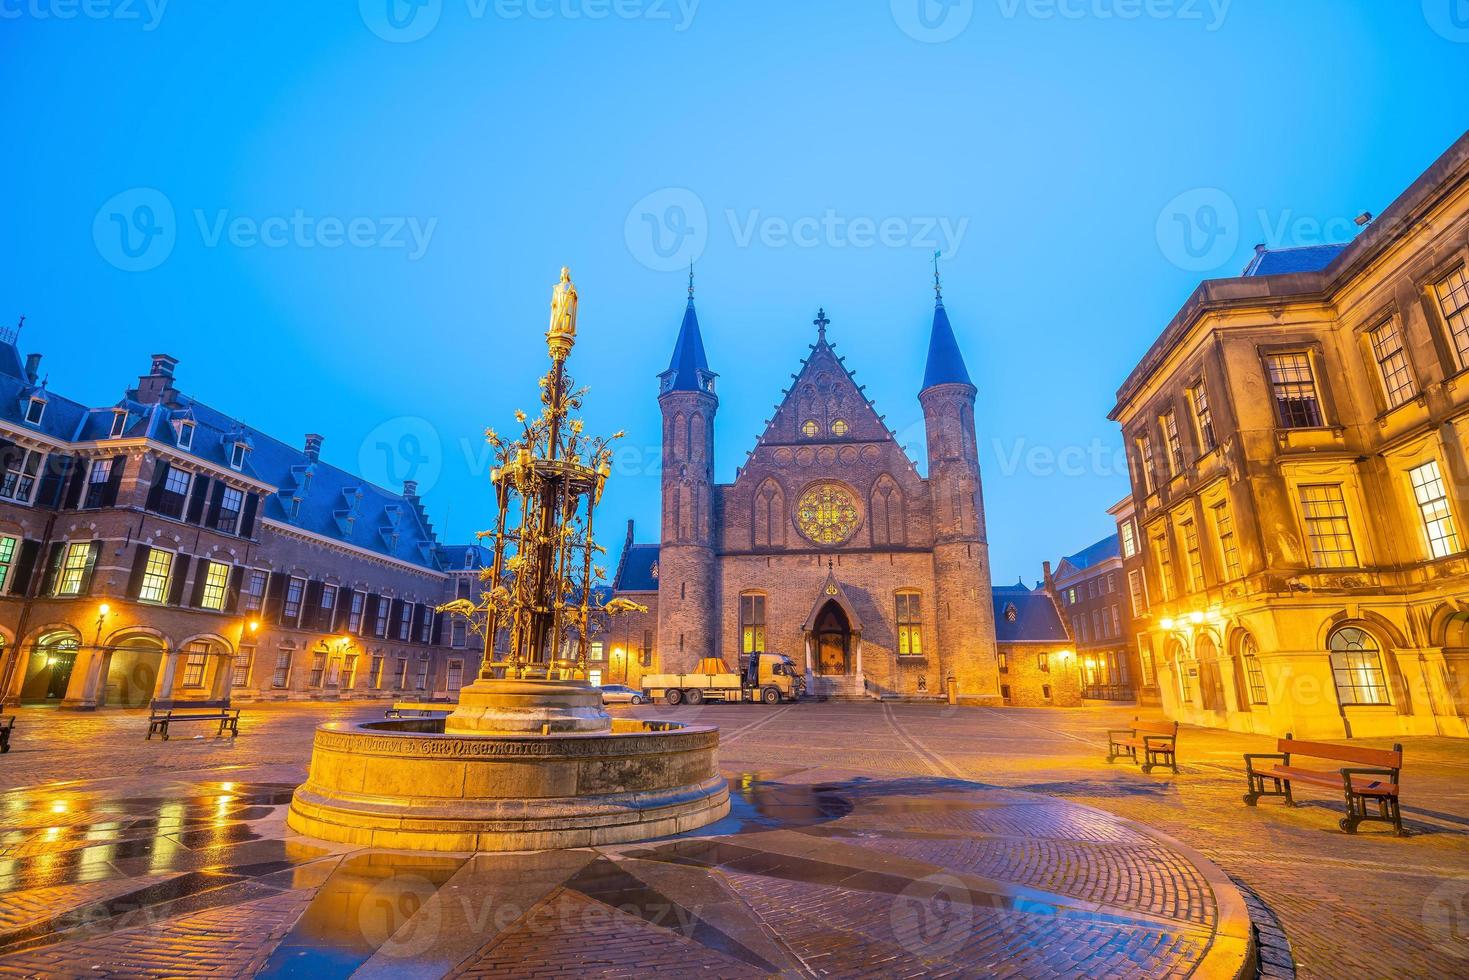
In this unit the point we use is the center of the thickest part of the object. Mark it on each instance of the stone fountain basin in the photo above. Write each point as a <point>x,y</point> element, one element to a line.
<point>406,784</point>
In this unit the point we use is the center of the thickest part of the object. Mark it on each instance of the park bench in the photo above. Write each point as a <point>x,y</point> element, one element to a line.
<point>1371,777</point>
<point>217,711</point>
<point>7,725</point>
<point>1157,740</point>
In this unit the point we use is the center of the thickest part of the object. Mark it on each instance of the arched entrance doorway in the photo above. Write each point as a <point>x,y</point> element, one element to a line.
<point>833,636</point>
<point>48,672</point>
<point>133,666</point>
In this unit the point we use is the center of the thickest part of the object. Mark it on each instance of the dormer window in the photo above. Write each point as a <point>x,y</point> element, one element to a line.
<point>185,434</point>
<point>35,410</point>
<point>469,559</point>
<point>237,456</point>
<point>295,508</point>
<point>119,423</point>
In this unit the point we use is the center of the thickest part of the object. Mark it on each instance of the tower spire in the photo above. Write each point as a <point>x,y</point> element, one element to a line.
<point>688,370</point>
<point>945,362</point>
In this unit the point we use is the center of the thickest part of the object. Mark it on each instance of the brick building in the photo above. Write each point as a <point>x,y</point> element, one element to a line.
<point>1089,587</point>
<point>1136,608</point>
<point>1299,441</point>
<point>1036,662</point>
<point>828,546</point>
<point>157,549</point>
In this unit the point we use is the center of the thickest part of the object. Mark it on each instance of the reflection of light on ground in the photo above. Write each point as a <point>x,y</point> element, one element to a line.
<point>165,848</point>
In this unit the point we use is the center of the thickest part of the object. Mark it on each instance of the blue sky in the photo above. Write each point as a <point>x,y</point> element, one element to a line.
<point>340,226</point>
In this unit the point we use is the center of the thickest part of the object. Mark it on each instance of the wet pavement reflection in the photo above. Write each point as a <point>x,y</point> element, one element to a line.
<point>798,875</point>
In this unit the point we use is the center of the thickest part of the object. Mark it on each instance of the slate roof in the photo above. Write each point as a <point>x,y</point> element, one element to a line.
<point>945,362</point>
<point>1284,261</point>
<point>335,504</point>
<point>635,574</point>
<point>1037,620</point>
<point>688,366</point>
<point>1105,549</point>
<point>459,557</point>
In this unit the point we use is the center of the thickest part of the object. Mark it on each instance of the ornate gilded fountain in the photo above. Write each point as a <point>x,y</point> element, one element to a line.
<point>528,759</point>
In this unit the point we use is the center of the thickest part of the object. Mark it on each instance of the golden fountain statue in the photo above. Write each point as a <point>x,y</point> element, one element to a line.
<point>528,759</point>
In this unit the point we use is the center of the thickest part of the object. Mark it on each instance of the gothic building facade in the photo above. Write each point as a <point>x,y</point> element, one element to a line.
<point>829,546</point>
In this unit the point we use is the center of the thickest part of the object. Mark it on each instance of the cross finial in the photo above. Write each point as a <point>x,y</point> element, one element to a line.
<point>938,286</point>
<point>821,322</point>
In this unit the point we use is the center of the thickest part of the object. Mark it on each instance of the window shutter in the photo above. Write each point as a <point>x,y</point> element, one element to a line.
<point>155,492</point>
<point>311,615</point>
<point>198,494</point>
<point>57,468</point>
<point>180,579</point>
<point>114,481</point>
<point>75,486</point>
<point>196,599</point>
<point>53,567</point>
<point>275,597</point>
<point>395,622</point>
<point>247,519</point>
<point>25,568</point>
<point>232,595</point>
<point>370,610</point>
<point>216,499</point>
<point>140,562</point>
<point>93,553</point>
<point>342,614</point>
<point>417,624</point>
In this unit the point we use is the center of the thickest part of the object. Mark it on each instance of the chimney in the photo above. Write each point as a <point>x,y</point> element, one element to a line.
<point>156,386</point>
<point>1046,576</point>
<point>410,489</point>
<point>313,446</point>
<point>33,367</point>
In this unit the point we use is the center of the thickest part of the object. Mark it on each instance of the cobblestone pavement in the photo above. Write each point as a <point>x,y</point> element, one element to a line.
<point>855,849</point>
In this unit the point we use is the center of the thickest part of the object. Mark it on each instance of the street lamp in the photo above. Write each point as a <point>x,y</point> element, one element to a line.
<point>620,654</point>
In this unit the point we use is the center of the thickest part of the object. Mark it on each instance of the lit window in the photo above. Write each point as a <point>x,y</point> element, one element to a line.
<point>156,574</point>
<point>1003,659</point>
<point>752,623</point>
<point>1043,662</point>
<point>7,558</point>
<point>1228,546</point>
<point>35,410</point>
<point>97,479</point>
<point>1392,364</point>
<point>1198,397</point>
<point>1433,507</point>
<point>810,429</point>
<point>291,609</point>
<point>252,597</point>
<point>185,434</point>
<point>1328,531</point>
<point>119,424</point>
<point>216,581</point>
<point>1195,555</point>
<point>318,669</point>
<point>19,480</point>
<point>840,427</point>
<point>1293,384</point>
<point>230,503</point>
<point>196,659</point>
<point>1165,565</point>
<point>910,624</point>
<point>73,568</point>
<point>1356,666</point>
<point>349,672</point>
<point>1453,303</point>
<point>1171,443</point>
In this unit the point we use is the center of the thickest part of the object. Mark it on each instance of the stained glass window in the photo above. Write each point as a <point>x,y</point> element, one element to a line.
<point>826,514</point>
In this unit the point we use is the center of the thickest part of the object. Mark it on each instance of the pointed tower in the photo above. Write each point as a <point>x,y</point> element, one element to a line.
<point>687,601</point>
<point>966,615</point>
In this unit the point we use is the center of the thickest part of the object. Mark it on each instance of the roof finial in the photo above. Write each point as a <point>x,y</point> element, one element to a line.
<point>691,281</point>
<point>821,324</point>
<point>938,286</point>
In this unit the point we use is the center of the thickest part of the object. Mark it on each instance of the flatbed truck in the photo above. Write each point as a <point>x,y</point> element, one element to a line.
<point>769,678</point>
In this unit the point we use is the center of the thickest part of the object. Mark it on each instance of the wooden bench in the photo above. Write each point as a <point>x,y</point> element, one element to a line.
<point>1158,741</point>
<point>7,725</point>
<point>160,718</point>
<point>1371,778</point>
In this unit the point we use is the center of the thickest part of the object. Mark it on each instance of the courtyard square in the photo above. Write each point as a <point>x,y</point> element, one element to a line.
<point>878,838</point>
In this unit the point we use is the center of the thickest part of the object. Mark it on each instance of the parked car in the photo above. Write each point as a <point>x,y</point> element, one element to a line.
<point>620,694</point>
